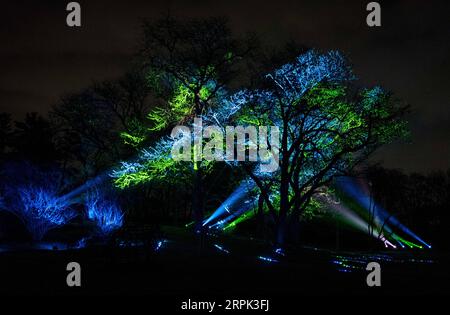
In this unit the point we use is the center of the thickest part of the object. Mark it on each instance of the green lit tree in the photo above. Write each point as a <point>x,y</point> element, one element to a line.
<point>188,63</point>
<point>328,126</point>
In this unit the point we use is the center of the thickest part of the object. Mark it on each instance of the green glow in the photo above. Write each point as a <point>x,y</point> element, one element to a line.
<point>411,244</point>
<point>228,56</point>
<point>158,117</point>
<point>194,149</point>
<point>313,210</point>
<point>204,93</point>
<point>179,106</point>
<point>132,179</point>
<point>407,243</point>
<point>155,170</point>
<point>240,219</point>
<point>132,140</point>
<point>135,134</point>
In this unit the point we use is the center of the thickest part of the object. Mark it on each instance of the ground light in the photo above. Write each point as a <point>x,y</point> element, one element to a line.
<point>159,245</point>
<point>221,248</point>
<point>268,259</point>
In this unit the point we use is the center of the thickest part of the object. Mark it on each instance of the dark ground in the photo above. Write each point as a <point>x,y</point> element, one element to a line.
<point>181,269</point>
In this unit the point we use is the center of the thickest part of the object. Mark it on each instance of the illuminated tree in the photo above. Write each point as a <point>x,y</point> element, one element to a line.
<point>33,195</point>
<point>104,211</point>
<point>328,126</point>
<point>188,63</point>
<point>40,210</point>
<point>196,58</point>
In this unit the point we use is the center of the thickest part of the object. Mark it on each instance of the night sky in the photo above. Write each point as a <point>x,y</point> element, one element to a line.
<point>41,58</point>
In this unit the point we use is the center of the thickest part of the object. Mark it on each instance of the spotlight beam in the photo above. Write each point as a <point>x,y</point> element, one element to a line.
<point>238,196</point>
<point>354,190</point>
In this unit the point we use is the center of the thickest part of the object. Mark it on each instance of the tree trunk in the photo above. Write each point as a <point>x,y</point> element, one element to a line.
<point>197,200</point>
<point>284,193</point>
<point>294,229</point>
<point>260,214</point>
<point>281,232</point>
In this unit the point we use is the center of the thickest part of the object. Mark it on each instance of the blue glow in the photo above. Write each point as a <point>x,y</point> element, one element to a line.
<point>105,213</point>
<point>220,224</point>
<point>50,246</point>
<point>352,218</point>
<point>239,196</point>
<point>40,210</point>
<point>399,242</point>
<point>69,197</point>
<point>268,259</point>
<point>351,187</point>
<point>221,249</point>
<point>344,270</point>
<point>129,243</point>
<point>159,245</point>
<point>346,263</point>
<point>81,243</point>
<point>161,149</point>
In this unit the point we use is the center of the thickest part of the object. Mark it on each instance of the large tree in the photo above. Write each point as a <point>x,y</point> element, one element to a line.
<point>327,125</point>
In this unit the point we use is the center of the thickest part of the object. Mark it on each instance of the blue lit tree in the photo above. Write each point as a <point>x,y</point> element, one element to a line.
<point>33,195</point>
<point>41,210</point>
<point>104,211</point>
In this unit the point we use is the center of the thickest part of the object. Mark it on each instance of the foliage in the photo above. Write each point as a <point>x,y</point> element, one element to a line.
<point>40,209</point>
<point>105,212</point>
<point>328,126</point>
<point>154,163</point>
<point>33,195</point>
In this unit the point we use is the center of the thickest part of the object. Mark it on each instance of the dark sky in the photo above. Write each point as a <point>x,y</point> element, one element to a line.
<point>41,58</point>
